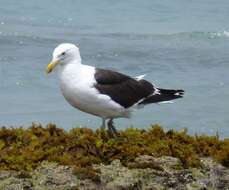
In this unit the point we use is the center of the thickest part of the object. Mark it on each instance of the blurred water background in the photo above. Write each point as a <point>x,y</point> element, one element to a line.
<point>178,44</point>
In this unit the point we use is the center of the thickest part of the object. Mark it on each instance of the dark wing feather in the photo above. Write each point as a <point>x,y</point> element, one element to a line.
<point>121,88</point>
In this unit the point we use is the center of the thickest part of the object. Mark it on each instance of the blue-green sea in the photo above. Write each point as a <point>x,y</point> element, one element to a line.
<point>178,44</point>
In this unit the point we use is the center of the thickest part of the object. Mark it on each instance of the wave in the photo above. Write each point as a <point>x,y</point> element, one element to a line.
<point>204,35</point>
<point>182,35</point>
<point>12,38</point>
<point>20,39</point>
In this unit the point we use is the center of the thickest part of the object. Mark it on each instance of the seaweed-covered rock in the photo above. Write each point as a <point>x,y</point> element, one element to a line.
<point>24,149</point>
<point>51,158</point>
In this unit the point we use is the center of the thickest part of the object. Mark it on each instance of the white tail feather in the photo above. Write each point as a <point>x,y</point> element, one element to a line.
<point>166,102</point>
<point>140,77</point>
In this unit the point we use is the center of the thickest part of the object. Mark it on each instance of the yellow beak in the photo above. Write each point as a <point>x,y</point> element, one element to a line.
<point>51,66</point>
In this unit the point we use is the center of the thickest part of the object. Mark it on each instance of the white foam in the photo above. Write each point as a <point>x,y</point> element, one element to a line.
<point>225,33</point>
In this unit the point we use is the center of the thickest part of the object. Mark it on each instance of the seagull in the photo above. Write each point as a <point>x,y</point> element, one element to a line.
<point>104,93</point>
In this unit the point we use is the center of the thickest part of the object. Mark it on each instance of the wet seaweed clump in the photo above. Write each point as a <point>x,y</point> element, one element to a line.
<point>24,149</point>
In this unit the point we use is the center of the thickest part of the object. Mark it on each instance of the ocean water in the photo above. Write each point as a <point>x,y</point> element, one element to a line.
<point>178,44</point>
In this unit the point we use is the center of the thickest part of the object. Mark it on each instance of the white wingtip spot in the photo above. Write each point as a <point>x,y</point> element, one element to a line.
<point>179,94</point>
<point>157,91</point>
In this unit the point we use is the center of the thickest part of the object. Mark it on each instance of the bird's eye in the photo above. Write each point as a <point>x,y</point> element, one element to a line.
<point>63,53</point>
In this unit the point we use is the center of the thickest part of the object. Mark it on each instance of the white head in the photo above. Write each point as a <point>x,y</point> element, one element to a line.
<point>64,54</point>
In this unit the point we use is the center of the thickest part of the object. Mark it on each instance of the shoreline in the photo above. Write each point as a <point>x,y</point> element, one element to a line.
<point>50,158</point>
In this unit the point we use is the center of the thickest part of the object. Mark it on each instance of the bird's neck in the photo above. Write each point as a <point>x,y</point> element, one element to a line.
<point>69,69</point>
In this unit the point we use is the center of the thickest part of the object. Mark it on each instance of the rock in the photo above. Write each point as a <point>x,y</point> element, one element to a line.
<point>221,176</point>
<point>196,186</point>
<point>144,173</point>
<point>54,176</point>
<point>116,176</point>
<point>13,183</point>
<point>5,174</point>
<point>168,162</point>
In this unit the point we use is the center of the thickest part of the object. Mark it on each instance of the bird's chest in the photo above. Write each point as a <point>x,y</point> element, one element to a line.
<point>78,90</point>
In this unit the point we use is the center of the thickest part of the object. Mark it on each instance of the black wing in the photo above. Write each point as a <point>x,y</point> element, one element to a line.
<point>121,88</point>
